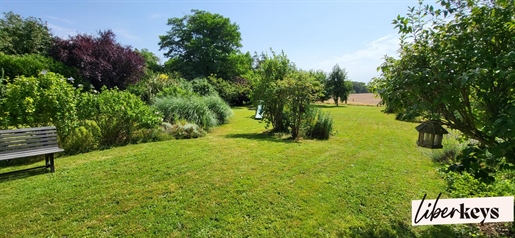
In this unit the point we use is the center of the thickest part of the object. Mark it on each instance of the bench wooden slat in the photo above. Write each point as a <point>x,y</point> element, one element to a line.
<point>28,134</point>
<point>29,153</point>
<point>28,130</point>
<point>4,150</point>
<point>28,141</point>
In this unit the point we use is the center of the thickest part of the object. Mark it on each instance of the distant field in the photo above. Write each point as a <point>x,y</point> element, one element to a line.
<point>360,99</point>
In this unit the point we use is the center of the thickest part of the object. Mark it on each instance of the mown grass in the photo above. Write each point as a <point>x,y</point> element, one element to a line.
<point>236,181</point>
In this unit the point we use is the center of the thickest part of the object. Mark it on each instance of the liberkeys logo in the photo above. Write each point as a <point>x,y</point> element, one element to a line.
<point>461,210</point>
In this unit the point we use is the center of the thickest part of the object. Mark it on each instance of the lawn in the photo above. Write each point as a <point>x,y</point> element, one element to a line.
<point>236,181</point>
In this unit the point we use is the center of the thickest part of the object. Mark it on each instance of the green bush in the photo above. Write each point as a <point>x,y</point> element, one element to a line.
<point>149,135</point>
<point>185,130</point>
<point>235,92</point>
<point>83,138</point>
<point>118,114</point>
<point>32,65</point>
<point>202,87</point>
<point>452,147</point>
<point>148,88</point>
<point>39,101</point>
<point>220,108</point>
<point>192,109</point>
<point>318,125</point>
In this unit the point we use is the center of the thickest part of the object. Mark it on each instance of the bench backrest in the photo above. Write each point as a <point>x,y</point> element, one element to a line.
<point>27,139</point>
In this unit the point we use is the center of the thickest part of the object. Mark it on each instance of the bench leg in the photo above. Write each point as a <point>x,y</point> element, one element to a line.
<point>49,159</point>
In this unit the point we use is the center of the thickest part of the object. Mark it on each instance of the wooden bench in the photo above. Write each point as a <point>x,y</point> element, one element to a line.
<point>21,143</point>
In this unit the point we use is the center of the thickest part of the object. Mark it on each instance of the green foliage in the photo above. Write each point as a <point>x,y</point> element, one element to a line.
<point>83,138</point>
<point>185,130</point>
<point>236,92</point>
<point>154,84</point>
<point>359,87</point>
<point>24,35</point>
<point>321,77</point>
<point>202,87</point>
<point>39,101</point>
<point>206,112</point>
<point>458,69</point>
<point>318,124</point>
<point>220,108</point>
<point>269,72</point>
<point>202,44</point>
<point>118,114</point>
<point>152,62</point>
<point>145,135</point>
<point>338,85</point>
<point>32,65</point>
<point>300,90</point>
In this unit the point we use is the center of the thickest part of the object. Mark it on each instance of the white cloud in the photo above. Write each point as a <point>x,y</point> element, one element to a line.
<point>126,34</point>
<point>62,31</point>
<point>60,19</point>
<point>155,15</point>
<point>362,64</point>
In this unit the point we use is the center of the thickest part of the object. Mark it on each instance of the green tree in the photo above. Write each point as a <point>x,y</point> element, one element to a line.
<point>24,35</point>
<point>152,62</point>
<point>321,77</point>
<point>359,87</point>
<point>458,69</point>
<point>300,90</point>
<point>202,44</point>
<point>336,84</point>
<point>269,72</point>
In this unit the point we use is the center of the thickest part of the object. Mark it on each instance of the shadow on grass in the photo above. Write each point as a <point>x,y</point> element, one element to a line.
<point>400,229</point>
<point>259,136</point>
<point>14,175</point>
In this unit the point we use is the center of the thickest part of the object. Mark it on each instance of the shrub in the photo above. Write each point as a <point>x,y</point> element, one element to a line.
<point>202,87</point>
<point>318,125</point>
<point>148,88</point>
<point>42,101</point>
<point>452,147</point>
<point>32,65</point>
<point>118,114</point>
<point>220,108</point>
<point>192,109</point>
<point>185,130</point>
<point>83,138</point>
<point>235,92</point>
<point>206,112</point>
<point>149,135</point>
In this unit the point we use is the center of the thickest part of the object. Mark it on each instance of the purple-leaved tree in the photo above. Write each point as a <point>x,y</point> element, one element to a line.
<point>100,60</point>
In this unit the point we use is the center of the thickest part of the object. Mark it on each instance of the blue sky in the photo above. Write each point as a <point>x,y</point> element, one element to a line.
<point>314,34</point>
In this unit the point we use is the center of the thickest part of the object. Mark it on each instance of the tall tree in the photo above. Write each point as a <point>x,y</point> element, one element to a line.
<point>24,35</point>
<point>459,70</point>
<point>202,44</point>
<point>101,60</point>
<point>336,84</point>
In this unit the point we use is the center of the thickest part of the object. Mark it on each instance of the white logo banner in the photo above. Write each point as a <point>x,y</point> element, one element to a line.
<point>461,210</point>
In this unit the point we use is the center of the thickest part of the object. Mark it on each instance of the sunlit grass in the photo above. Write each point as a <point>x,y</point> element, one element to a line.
<point>236,181</point>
